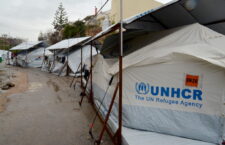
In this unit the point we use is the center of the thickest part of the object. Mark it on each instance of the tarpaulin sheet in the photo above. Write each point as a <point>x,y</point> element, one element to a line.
<point>75,57</point>
<point>173,86</point>
<point>34,58</point>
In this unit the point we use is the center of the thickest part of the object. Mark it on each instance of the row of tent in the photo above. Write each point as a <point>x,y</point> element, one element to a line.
<point>56,58</point>
<point>173,73</point>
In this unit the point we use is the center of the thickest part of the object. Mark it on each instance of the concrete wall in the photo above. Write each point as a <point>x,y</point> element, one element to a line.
<point>131,8</point>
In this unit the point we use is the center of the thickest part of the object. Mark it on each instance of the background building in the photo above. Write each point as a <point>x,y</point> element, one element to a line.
<point>131,8</point>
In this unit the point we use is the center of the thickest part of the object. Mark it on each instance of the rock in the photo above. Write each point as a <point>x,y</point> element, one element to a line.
<point>10,84</point>
<point>5,87</point>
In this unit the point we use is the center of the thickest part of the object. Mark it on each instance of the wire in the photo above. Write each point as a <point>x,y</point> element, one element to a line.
<point>102,7</point>
<point>98,11</point>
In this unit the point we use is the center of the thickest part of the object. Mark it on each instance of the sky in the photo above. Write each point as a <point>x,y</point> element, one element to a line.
<point>27,18</point>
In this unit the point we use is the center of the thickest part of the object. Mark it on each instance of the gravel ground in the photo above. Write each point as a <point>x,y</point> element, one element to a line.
<point>47,113</point>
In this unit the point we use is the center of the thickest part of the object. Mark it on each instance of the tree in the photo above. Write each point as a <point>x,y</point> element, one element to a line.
<point>7,42</point>
<point>77,29</point>
<point>42,36</point>
<point>60,19</point>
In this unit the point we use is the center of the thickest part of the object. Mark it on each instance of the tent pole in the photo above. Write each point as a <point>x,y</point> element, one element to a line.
<point>91,73</point>
<point>53,64</point>
<point>67,69</point>
<point>26,63</point>
<point>81,70</point>
<point>98,141</point>
<point>43,62</point>
<point>120,77</point>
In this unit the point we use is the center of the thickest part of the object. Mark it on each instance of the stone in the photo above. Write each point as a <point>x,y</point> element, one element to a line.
<point>5,87</point>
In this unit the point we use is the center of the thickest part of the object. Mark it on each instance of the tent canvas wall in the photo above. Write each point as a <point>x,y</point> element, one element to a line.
<point>31,54</point>
<point>35,58</point>
<point>69,49</point>
<point>6,56</point>
<point>74,59</point>
<point>173,86</point>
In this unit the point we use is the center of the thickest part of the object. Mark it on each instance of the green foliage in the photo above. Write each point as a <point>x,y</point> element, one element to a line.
<point>60,19</point>
<point>7,42</point>
<point>77,29</point>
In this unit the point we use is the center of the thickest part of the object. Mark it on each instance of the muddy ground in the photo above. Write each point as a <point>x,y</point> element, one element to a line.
<point>43,110</point>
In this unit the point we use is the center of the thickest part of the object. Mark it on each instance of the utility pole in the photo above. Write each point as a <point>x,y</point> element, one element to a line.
<point>120,105</point>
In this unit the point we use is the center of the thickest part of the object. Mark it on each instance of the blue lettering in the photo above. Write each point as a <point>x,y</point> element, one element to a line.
<point>155,91</point>
<point>175,92</point>
<point>197,94</point>
<point>165,91</point>
<point>186,93</point>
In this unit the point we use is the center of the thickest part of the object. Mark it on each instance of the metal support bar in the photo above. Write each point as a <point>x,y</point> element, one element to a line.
<point>81,70</point>
<point>83,93</point>
<point>68,52</point>
<point>120,105</point>
<point>98,141</point>
<point>108,130</point>
<point>91,76</point>
<point>74,76</point>
<point>26,63</point>
<point>65,65</point>
<point>43,62</point>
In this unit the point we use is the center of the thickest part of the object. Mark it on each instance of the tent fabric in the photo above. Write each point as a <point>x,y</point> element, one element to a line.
<point>75,57</point>
<point>58,66</point>
<point>135,137</point>
<point>192,40</point>
<point>167,88</point>
<point>67,43</point>
<point>33,58</point>
<point>181,12</point>
<point>175,14</point>
<point>26,45</point>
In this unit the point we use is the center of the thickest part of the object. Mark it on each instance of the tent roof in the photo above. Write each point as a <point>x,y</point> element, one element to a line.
<point>174,14</point>
<point>182,12</point>
<point>26,45</point>
<point>191,41</point>
<point>67,43</point>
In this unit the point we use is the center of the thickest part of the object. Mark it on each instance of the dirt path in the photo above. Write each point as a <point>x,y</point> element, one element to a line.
<point>20,79</point>
<point>45,111</point>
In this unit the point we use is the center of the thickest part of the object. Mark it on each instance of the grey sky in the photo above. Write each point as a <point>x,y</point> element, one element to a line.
<point>26,18</point>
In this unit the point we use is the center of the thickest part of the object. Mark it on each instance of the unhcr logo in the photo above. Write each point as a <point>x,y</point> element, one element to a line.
<point>185,93</point>
<point>142,88</point>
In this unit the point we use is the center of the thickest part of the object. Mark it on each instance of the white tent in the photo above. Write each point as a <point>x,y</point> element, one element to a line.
<point>75,57</point>
<point>67,43</point>
<point>31,54</point>
<point>72,48</point>
<point>173,86</point>
<point>26,45</point>
<point>34,58</point>
<point>74,60</point>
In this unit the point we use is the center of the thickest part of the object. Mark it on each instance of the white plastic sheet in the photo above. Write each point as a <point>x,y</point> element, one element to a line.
<point>173,86</point>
